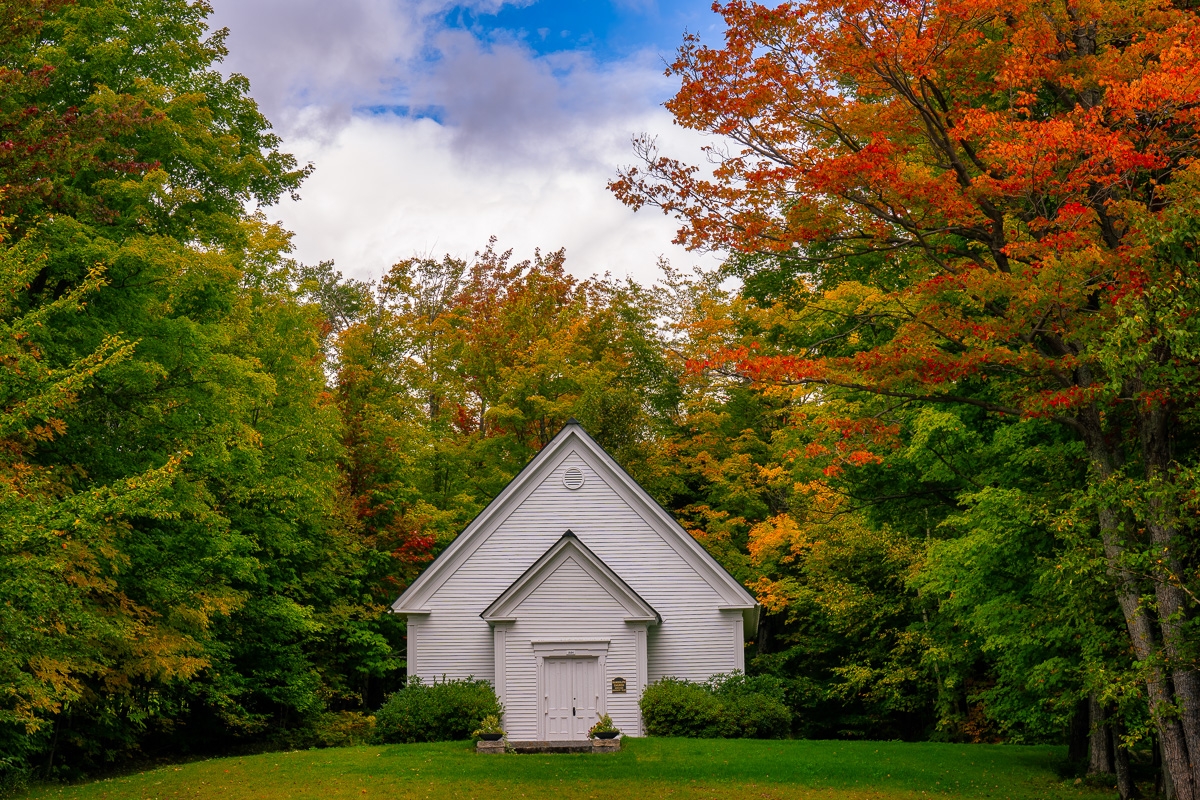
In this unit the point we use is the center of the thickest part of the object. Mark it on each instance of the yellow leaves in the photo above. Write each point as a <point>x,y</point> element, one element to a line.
<point>853,298</point>
<point>775,596</point>
<point>161,654</point>
<point>772,473</point>
<point>716,528</point>
<point>48,430</point>
<point>62,685</point>
<point>201,608</point>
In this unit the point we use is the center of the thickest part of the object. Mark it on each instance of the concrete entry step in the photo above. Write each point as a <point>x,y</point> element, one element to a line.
<point>575,746</point>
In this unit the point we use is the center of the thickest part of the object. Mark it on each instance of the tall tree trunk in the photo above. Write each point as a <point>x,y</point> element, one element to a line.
<point>762,638</point>
<point>1126,788</point>
<point>1144,633</point>
<point>1172,606</point>
<point>1159,692</point>
<point>1167,789</point>
<point>1125,785</point>
<point>1100,755</point>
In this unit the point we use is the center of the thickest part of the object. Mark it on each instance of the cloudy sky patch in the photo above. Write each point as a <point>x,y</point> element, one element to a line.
<point>434,125</point>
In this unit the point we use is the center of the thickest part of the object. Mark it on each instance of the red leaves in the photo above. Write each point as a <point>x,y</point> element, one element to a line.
<point>1050,403</point>
<point>933,120</point>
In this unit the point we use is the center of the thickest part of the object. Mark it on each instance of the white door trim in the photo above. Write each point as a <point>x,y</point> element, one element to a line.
<point>560,649</point>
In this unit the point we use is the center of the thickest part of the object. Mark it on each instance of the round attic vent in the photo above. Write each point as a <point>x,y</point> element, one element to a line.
<point>573,478</point>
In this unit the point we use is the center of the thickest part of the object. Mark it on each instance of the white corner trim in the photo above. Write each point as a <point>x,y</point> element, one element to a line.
<point>500,656</point>
<point>642,656</point>
<point>410,665</point>
<point>739,645</point>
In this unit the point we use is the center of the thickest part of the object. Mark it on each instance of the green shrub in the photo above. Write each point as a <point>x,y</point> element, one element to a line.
<point>726,706</point>
<point>435,712</point>
<point>674,707</point>
<point>734,684</point>
<point>342,729</point>
<point>757,716</point>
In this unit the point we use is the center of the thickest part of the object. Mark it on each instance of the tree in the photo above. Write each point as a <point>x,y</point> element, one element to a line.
<point>176,569</point>
<point>461,371</point>
<point>1027,174</point>
<point>135,130</point>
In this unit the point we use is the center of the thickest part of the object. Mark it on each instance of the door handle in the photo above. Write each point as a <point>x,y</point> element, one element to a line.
<point>572,711</point>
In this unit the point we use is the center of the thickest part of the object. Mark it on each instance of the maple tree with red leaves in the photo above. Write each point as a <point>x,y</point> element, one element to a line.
<point>41,143</point>
<point>1016,183</point>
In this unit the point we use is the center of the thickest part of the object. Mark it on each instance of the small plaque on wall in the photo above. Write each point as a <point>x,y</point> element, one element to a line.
<point>618,686</point>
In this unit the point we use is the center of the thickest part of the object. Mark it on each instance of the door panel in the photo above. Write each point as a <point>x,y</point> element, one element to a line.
<point>559,717</point>
<point>586,689</point>
<point>572,695</point>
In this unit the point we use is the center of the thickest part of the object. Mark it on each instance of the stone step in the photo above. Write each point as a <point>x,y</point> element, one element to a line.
<point>574,746</point>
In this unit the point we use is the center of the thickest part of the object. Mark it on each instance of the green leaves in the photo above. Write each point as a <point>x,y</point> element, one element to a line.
<point>167,444</point>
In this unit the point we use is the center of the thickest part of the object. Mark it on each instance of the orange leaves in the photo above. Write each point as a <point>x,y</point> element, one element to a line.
<point>967,133</point>
<point>809,562</point>
<point>777,538</point>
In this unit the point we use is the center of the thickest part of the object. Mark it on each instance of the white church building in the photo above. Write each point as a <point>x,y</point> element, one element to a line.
<point>570,592</point>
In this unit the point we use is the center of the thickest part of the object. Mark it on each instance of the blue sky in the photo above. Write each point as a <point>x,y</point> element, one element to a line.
<point>434,124</point>
<point>609,30</point>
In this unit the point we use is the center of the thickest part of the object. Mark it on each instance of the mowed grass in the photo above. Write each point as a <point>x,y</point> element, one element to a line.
<point>679,769</point>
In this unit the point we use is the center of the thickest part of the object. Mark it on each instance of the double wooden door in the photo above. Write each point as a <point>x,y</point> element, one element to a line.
<point>571,696</point>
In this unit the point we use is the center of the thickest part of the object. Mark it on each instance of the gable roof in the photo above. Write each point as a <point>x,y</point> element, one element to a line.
<point>569,547</point>
<point>573,438</point>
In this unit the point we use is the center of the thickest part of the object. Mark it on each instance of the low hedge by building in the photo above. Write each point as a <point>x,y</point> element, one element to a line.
<point>726,706</point>
<point>435,712</point>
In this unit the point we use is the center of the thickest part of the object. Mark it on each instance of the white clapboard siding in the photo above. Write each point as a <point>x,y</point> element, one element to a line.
<point>702,611</point>
<point>694,641</point>
<point>569,596</point>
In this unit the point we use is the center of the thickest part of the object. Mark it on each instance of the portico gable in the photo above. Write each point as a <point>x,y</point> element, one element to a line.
<point>566,631</point>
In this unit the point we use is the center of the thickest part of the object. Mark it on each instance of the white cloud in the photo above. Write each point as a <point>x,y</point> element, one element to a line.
<point>503,104</point>
<point>386,188</point>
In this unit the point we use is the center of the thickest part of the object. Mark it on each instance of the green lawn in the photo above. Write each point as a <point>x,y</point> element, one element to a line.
<point>646,768</point>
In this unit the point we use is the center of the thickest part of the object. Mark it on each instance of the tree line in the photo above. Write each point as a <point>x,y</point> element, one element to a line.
<point>937,409</point>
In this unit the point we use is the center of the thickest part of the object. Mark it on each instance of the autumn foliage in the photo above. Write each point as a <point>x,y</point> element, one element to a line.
<point>1019,161</point>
